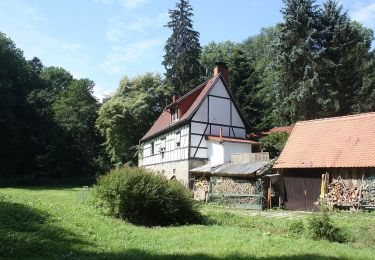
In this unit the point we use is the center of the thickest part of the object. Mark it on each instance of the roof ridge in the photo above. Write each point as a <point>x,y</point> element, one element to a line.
<point>337,118</point>
<point>158,129</point>
<point>193,90</point>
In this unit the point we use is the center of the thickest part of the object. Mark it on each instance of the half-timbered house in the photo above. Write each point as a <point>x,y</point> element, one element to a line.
<point>205,126</point>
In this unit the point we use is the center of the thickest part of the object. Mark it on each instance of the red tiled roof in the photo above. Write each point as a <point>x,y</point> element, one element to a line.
<point>287,129</point>
<point>347,141</point>
<point>187,103</point>
<point>231,140</point>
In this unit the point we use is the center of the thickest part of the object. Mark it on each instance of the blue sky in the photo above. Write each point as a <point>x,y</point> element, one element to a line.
<point>105,40</point>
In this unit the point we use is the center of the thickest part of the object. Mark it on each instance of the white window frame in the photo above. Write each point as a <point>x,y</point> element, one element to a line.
<point>178,139</point>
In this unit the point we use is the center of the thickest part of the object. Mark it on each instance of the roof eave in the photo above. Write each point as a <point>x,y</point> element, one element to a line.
<point>168,128</point>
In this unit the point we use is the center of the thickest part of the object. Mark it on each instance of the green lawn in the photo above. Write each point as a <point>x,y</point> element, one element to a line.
<point>55,223</point>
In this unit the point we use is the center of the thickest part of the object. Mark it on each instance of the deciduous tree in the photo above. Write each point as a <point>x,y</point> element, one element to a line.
<point>129,113</point>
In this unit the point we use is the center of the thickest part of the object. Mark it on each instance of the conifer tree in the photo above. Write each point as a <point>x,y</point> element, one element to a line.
<point>242,83</point>
<point>343,52</point>
<point>296,46</point>
<point>365,96</point>
<point>182,50</point>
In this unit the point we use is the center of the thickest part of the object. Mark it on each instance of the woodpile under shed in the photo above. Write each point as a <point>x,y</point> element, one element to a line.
<point>231,186</point>
<point>200,188</point>
<point>247,193</point>
<point>368,193</point>
<point>236,192</point>
<point>351,193</point>
<point>341,193</point>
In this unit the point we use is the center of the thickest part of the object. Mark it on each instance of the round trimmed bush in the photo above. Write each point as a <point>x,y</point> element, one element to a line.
<point>143,197</point>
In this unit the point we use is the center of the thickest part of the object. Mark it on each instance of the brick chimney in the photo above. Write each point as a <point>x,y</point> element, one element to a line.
<point>221,67</point>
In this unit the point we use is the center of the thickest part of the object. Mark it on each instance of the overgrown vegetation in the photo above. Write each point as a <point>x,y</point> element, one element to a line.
<point>321,226</point>
<point>143,197</point>
<point>297,228</point>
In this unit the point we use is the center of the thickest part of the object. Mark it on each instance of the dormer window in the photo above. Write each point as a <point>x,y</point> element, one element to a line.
<point>174,114</point>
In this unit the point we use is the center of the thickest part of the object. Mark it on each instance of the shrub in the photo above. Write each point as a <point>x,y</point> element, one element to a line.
<point>321,226</point>
<point>145,198</point>
<point>274,143</point>
<point>296,228</point>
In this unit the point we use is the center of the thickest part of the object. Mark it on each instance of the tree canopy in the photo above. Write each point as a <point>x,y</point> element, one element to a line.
<point>47,121</point>
<point>182,50</point>
<point>129,113</point>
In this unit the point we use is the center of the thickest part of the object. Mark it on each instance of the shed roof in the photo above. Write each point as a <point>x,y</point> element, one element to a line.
<point>232,169</point>
<point>347,141</point>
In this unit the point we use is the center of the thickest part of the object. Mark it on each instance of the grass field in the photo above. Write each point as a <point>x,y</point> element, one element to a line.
<point>57,223</point>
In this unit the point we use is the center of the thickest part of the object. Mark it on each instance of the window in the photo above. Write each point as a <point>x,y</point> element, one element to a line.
<point>178,139</point>
<point>152,148</point>
<point>162,145</point>
<point>174,114</point>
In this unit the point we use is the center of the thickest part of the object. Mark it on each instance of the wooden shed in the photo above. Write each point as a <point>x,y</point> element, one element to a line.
<point>237,183</point>
<point>329,158</point>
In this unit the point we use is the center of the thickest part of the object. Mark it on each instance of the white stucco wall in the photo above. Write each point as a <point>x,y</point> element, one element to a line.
<point>221,153</point>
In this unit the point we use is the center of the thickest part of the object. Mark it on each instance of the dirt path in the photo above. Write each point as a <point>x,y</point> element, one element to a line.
<point>283,214</point>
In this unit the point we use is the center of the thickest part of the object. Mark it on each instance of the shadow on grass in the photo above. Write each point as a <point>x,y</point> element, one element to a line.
<point>47,187</point>
<point>29,232</point>
<point>139,254</point>
<point>26,232</point>
<point>44,182</point>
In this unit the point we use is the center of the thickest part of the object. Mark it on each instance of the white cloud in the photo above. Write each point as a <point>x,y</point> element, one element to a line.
<point>132,3</point>
<point>364,13</point>
<point>101,92</point>
<point>117,60</point>
<point>116,29</point>
<point>119,28</point>
<point>141,23</point>
<point>129,4</point>
<point>24,25</point>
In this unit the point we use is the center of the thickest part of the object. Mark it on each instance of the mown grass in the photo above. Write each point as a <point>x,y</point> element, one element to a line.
<point>54,223</point>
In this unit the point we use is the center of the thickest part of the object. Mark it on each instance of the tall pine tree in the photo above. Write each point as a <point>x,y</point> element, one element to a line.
<point>182,50</point>
<point>242,83</point>
<point>343,52</point>
<point>296,45</point>
<point>365,97</point>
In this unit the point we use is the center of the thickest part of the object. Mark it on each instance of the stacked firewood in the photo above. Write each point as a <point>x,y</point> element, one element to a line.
<point>340,194</point>
<point>231,186</point>
<point>200,189</point>
<point>201,184</point>
<point>368,192</point>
